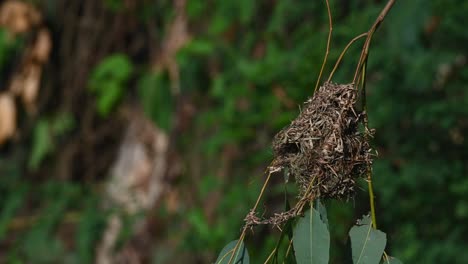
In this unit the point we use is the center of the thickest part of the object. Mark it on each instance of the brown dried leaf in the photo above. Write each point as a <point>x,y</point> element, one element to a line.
<point>18,17</point>
<point>7,117</point>
<point>42,46</point>
<point>30,85</point>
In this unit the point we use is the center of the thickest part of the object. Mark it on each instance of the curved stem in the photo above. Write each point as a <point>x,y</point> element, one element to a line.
<point>270,256</point>
<point>361,68</point>
<point>288,250</point>
<point>365,49</point>
<point>343,53</point>
<point>366,127</point>
<point>330,29</point>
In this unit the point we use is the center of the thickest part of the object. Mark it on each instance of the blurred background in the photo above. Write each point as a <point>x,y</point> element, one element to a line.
<point>137,131</point>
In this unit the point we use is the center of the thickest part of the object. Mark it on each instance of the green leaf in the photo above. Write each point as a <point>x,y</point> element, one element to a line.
<point>155,96</point>
<point>108,81</point>
<point>367,243</point>
<point>322,210</point>
<point>311,239</point>
<point>392,260</point>
<point>116,68</point>
<point>108,98</point>
<point>241,255</point>
<point>42,144</point>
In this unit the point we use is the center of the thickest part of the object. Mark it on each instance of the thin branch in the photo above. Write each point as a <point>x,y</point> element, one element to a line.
<point>241,238</point>
<point>288,250</point>
<point>343,53</point>
<point>361,68</point>
<point>330,29</point>
<point>370,33</point>
<point>366,126</point>
<point>270,256</point>
<point>371,200</point>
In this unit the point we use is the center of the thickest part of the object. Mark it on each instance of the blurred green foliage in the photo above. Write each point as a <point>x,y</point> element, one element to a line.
<point>248,68</point>
<point>10,47</point>
<point>108,81</point>
<point>46,135</point>
<point>156,99</point>
<point>418,106</point>
<point>42,208</point>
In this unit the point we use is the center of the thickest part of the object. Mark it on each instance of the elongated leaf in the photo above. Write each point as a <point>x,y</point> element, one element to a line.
<point>392,260</point>
<point>322,210</point>
<point>311,239</point>
<point>367,244</point>
<point>241,256</point>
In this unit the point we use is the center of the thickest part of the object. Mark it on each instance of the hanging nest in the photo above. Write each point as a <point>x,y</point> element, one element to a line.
<point>323,148</point>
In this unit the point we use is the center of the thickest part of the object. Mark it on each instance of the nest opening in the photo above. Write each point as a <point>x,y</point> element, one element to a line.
<point>289,149</point>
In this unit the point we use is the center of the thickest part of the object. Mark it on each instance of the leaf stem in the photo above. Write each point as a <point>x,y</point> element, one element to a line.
<point>366,127</point>
<point>371,199</point>
<point>361,68</point>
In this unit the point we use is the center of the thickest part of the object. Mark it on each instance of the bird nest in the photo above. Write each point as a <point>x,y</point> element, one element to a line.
<point>324,148</point>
